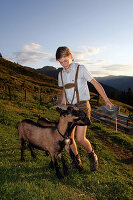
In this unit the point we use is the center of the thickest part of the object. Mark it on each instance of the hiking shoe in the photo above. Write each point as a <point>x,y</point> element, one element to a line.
<point>93,161</point>
<point>77,163</point>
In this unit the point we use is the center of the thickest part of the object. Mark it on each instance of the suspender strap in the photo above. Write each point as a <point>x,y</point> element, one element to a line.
<point>70,85</point>
<point>76,84</point>
<point>64,89</point>
<point>76,87</point>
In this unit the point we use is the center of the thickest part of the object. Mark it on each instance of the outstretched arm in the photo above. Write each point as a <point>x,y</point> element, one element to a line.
<point>101,91</point>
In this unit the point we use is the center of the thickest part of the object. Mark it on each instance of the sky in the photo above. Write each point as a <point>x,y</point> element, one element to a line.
<point>99,33</point>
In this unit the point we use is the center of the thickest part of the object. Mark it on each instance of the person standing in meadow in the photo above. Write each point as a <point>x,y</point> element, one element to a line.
<point>73,79</point>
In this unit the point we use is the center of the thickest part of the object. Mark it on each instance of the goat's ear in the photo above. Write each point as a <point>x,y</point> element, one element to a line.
<point>59,110</point>
<point>62,112</point>
<point>70,108</point>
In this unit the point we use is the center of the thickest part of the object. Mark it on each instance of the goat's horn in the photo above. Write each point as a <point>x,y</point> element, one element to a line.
<point>63,107</point>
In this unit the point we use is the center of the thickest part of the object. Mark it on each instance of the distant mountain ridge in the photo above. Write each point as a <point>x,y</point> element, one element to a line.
<point>50,71</point>
<point>122,83</point>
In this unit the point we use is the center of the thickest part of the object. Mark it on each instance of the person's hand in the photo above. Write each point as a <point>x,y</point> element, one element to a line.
<point>108,103</point>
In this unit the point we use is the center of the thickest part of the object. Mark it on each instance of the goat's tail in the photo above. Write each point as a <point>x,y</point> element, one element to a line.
<point>17,126</point>
<point>20,129</point>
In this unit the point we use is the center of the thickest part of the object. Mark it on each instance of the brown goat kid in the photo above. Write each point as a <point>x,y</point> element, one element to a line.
<point>45,122</point>
<point>51,139</point>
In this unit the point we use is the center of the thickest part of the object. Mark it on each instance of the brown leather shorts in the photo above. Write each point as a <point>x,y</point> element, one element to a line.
<point>85,106</point>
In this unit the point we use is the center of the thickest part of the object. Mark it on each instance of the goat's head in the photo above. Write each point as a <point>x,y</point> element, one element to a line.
<point>77,116</point>
<point>82,119</point>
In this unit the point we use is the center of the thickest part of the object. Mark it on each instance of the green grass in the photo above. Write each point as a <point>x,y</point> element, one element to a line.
<point>124,141</point>
<point>33,180</point>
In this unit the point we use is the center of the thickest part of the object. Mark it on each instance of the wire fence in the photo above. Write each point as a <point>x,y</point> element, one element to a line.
<point>43,95</point>
<point>23,94</point>
<point>122,122</point>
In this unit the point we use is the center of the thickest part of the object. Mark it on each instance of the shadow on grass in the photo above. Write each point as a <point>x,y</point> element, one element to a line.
<point>128,161</point>
<point>25,173</point>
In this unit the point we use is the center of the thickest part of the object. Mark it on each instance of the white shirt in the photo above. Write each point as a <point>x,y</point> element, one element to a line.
<point>69,77</point>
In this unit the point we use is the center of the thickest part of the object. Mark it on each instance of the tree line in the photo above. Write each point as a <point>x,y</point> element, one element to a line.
<point>123,96</point>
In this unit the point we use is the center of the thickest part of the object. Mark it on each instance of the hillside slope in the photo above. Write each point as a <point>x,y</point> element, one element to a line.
<point>16,75</point>
<point>35,179</point>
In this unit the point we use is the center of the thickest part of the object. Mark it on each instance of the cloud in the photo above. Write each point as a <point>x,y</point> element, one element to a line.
<point>99,73</point>
<point>97,62</point>
<point>115,69</point>
<point>82,56</point>
<point>52,59</point>
<point>79,56</point>
<point>93,50</point>
<point>30,53</point>
<point>30,47</point>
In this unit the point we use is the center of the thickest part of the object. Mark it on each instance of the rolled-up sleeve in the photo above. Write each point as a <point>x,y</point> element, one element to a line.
<point>87,75</point>
<point>59,80</point>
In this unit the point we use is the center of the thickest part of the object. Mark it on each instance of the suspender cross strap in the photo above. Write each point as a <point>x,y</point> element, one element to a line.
<point>71,85</point>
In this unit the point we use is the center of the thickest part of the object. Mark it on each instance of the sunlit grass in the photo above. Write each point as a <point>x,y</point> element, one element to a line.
<point>34,180</point>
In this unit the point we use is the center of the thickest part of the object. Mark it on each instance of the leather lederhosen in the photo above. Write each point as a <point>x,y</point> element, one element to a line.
<point>82,105</point>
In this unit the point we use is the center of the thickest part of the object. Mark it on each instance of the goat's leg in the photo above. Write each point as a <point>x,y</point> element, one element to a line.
<point>51,164</point>
<point>47,153</point>
<point>58,174</point>
<point>65,168</point>
<point>22,149</point>
<point>31,150</point>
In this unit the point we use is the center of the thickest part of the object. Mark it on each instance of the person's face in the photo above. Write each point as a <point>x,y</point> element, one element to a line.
<point>66,62</point>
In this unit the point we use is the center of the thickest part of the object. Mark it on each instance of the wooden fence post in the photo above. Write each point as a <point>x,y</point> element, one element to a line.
<point>98,98</point>
<point>40,96</point>
<point>25,95</point>
<point>116,124</point>
<point>9,90</point>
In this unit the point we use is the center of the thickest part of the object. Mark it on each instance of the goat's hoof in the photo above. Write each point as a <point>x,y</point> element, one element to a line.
<point>81,170</point>
<point>51,165</point>
<point>35,158</point>
<point>22,160</point>
<point>66,172</point>
<point>47,153</point>
<point>59,176</point>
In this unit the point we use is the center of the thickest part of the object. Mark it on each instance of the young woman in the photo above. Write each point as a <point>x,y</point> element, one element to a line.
<point>73,78</point>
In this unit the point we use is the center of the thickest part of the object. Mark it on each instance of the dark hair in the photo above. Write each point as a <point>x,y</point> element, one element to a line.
<point>62,52</point>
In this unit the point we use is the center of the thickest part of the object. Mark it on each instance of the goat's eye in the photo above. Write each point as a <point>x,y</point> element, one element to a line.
<point>82,114</point>
<point>74,113</point>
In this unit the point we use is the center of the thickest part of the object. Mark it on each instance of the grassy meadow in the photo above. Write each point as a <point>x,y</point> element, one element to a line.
<point>34,180</point>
